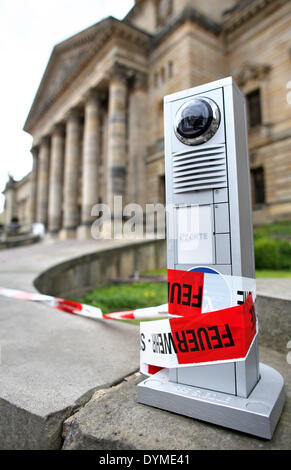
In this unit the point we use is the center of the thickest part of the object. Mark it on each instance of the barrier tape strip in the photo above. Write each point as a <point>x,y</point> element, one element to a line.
<point>202,332</point>
<point>89,311</point>
<point>221,336</point>
<point>212,319</point>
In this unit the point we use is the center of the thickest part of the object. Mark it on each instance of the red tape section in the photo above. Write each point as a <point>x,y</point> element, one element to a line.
<point>204,337</point>
<point>215,336</point>
<point>185,292</point>
<point>68,306</point>
<point>127,315</point>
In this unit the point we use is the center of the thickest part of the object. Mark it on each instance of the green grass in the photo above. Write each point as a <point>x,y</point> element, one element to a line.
<point>266,273</point>
<point>122,297</point>
<point>155,272</point>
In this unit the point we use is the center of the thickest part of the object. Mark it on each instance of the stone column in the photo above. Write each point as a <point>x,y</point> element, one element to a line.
<point>33,185</point>
<point>71,174</point>
<point>56,180</point>
<point>138,140</point>
<point>116,155</point>
<point>10,202</point>
<point>91,151</point>
<point>43,180</point>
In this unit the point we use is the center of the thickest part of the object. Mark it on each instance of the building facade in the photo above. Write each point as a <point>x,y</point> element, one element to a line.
<point>97,117</point>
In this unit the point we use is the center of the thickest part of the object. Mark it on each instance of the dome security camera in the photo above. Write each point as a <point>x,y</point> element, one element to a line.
<point>197,121</point>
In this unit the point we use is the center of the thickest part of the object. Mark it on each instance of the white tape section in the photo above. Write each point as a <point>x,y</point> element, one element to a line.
<point>222,291</point>
<point>85,310</point>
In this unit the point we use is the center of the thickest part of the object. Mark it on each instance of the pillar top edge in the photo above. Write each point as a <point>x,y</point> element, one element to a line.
<point>91,94</point>
<point>73,113</point>
<point>117,71</point>
<point>34,149</point>
<point>140,80</point>
<point>58,128</point>
<point>45,140</point>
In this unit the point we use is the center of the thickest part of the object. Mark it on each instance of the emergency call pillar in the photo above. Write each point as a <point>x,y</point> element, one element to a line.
<point>208,193</point>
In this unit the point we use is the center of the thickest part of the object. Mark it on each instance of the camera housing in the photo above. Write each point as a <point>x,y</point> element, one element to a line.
<point>197,121</point>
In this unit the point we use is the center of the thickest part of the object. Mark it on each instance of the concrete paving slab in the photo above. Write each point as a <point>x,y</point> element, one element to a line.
<point>52,362</point>
<point>113,420</point>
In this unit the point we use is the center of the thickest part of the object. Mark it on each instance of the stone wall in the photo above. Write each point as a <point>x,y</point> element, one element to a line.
<point>76,277</point>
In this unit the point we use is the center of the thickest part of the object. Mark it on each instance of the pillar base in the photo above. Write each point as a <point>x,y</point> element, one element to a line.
<point>67,233</point>
<point>52,235</point>
<point>258,414</point>
<point>84,232</point>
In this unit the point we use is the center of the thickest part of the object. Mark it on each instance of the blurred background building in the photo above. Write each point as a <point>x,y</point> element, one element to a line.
<point>97,117</point>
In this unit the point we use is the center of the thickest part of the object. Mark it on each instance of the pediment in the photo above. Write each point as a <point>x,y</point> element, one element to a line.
<point>68,58</point>
<point>63,67</point>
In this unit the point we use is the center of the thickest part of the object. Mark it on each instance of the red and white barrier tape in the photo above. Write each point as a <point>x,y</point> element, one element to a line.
<point>201,334</point>
<point>89,311</point>
<point>211,319</point>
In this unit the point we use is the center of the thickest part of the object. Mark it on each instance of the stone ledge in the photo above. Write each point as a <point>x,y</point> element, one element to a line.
<point>113,420</point>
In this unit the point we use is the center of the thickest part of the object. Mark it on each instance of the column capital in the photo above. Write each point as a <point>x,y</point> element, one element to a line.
<point>117,72</point>
<point>58,129</point>
<point>140,80</point>
<point>91,94</point>
<point>34,150</point>
<point>74,114</point>
<point>45,141</point>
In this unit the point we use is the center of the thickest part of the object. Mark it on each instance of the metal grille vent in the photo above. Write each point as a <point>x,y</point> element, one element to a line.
<point>200,169</point>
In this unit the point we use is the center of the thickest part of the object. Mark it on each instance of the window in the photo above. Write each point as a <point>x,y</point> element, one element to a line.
<point>170,69</point>
<point>254,108</point>
<point>156,79</point>
<point>160,77</point>
<point>258,185</point>
<point>162,189</point>
<point>163,75</point>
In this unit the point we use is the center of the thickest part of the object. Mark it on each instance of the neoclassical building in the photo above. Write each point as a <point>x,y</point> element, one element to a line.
<point>97,117</point>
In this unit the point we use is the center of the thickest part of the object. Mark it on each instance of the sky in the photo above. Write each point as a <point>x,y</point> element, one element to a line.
<point>29,29</point>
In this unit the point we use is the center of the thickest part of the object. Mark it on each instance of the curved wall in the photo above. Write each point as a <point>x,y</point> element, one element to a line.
<point>77,276</point>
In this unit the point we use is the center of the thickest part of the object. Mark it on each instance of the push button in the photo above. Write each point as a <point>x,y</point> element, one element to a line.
<point>221,218</point>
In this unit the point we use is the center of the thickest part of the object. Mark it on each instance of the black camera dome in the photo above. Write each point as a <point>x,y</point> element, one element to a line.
<point>196,121</point>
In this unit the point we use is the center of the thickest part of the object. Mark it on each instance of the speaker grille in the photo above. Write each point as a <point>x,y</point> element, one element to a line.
<point>200,169</point>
